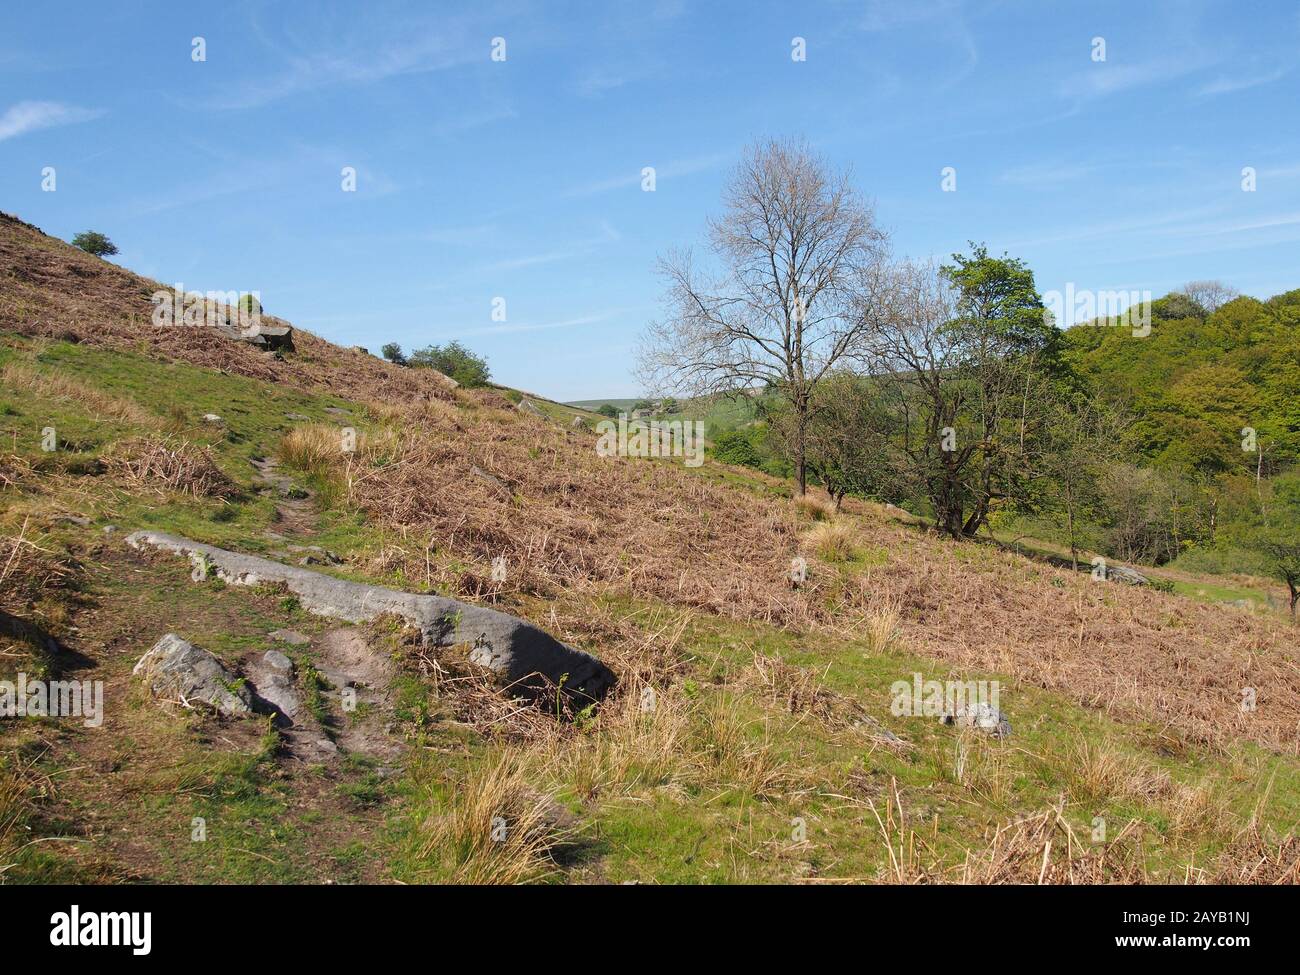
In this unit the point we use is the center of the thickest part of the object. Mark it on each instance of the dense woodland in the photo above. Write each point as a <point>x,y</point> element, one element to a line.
<point>1181,445</point>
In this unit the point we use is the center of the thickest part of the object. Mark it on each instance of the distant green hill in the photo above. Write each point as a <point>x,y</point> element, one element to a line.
<point>719,415</point>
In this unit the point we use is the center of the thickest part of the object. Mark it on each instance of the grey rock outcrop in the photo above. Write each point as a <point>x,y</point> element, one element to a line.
<point>519,653</point>
<point>1130,577</point>
<point>178,670</point>
<point>982,717</point>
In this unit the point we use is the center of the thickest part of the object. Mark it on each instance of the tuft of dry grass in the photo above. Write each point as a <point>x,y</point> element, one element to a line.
<point>165,464</point>
<point>13,793</point>
<point>1099,773</point>
<point>639,741</point>
<point>31,568</point>
<point>813,507</point>
<point>496,829</point>
<point>644,739</point>
<point>880,629</point>
<point>736,750</point>
<point>313,448</point>
<point>331,452</point>
<point>1044,849</point>
<point>18,786</point>
<point>1256,858</point>
<point>832,541</point>
<point>13,470</point>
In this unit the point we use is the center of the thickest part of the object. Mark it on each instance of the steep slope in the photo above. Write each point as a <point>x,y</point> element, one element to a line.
<point>53,290</point>
<point>744,706</point>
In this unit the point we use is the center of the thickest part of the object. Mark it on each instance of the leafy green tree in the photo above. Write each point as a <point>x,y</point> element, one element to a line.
<point>1277,537</point>
<point>453,360</point>
<point>609,410</point>
<point>394,354</point>
<point>93,242</point>
<point>968,356</point>
<point>1082,434</point>
<point>1176,305</point>
<point>847,438</point>
<point>1281,546</point>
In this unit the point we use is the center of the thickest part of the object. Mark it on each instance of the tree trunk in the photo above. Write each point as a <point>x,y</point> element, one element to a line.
<point>1069,517</point>
<point>801,463</point>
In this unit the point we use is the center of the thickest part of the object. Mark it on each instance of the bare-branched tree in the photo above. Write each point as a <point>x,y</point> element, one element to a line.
<point>1210,295</point>
<point>779,303</point>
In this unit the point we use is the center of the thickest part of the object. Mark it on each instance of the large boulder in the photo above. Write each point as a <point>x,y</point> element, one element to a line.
<point>177,670</point>
<point>522,656</point>
<point>1126,575</point>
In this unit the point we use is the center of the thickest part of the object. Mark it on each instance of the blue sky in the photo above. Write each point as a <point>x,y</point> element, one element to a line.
<point>521,178</point>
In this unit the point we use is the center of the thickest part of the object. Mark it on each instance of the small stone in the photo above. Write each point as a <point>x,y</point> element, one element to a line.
<point>274,687</point>
<point>292,637</point>
<point>981,716</point>
<point>211,418</point>
<point>278,661</point>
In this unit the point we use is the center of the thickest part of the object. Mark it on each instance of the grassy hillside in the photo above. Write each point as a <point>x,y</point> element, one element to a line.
<point>750,737</point>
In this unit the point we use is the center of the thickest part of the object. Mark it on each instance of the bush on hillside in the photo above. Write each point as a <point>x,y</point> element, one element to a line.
<point>93,242</point>
<point>735,447</point>
<point>453,360</point>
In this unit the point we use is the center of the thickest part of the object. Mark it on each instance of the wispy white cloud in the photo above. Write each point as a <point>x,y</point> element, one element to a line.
<point>31,116</point>
<point>597,81</point>
<point>309,72</point>
<point>306,54</point>
<point>1110,77</point>
<point>1047,173</point>
<point>1225,85</point>
<point>607,235</point>
<point>945,19</point>
<point>670,170</point>
<point>1136,226</point>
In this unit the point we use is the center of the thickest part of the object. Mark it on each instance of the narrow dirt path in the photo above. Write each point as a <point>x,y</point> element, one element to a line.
<point>295,512</point>
<point>127,790</point>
